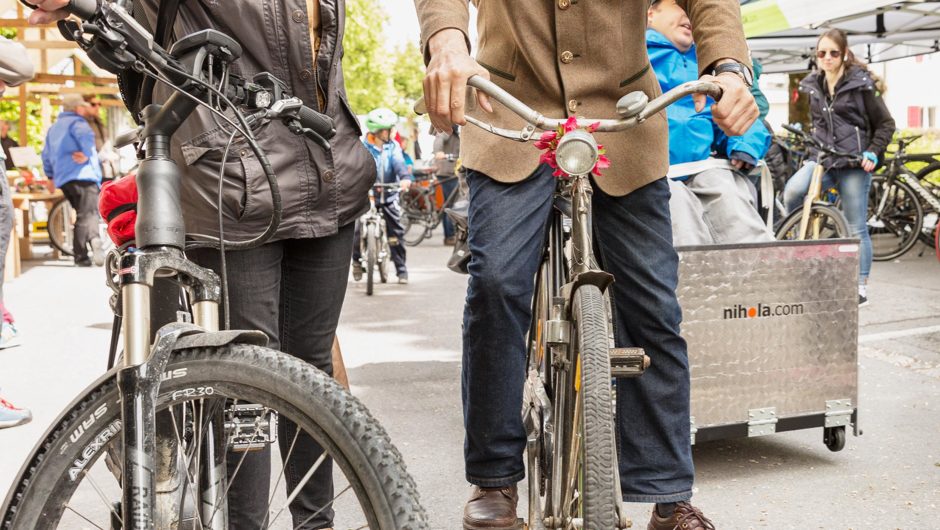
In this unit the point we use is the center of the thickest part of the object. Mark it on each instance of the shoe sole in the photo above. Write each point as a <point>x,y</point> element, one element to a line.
<point>520,525</point>
<point>8,424</point>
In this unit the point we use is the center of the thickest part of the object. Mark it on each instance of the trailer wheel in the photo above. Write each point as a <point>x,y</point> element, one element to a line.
<point>834,438</point>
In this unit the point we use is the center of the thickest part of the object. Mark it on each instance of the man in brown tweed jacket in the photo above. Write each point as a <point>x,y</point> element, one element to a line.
<point>568,57</point>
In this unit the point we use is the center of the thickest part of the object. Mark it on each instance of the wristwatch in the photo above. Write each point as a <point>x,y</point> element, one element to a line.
<point>743,72</point>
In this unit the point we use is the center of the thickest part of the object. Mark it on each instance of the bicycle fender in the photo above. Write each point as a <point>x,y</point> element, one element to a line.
<point>600,279</point>
<point>221,338</point>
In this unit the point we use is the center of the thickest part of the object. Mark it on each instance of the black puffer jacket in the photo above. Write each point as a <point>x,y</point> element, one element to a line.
<point>854,120</point>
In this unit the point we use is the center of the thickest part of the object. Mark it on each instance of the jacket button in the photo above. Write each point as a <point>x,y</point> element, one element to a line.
<point>573,105</point>
<point>328,175</point>
<point>243,153</point>
<point>567,56</point>
<point>298,16</point>
<point>564,4</point>
<point>305,75</point>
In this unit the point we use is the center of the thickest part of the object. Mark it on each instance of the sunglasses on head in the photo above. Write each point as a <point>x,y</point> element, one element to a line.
<point>832,53</point>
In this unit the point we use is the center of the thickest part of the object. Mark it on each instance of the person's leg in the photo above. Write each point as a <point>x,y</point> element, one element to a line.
<point>313,287</point>
<point>448,185</point>
<point>396,236</point>
<point>689,224</point>
<point>87,214</point>
<point>6,229</point>
<point>795,190</point>
<point>506,232</point>
<point>729,207</point>
<point>853,185</point>
<point>634,236</point>
<point>254,288</point>
<point>73,194</point>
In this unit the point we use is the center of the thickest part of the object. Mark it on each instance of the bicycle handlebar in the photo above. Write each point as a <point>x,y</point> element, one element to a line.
<point>819,145</point>
<point>633,108</point>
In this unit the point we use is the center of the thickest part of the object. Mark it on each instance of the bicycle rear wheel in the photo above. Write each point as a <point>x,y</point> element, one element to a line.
<point>896,226</point>
<point>60,226</point>
<point>67,482</point>
<point>825,222</point>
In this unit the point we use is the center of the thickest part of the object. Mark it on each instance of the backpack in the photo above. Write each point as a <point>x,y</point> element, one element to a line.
<point>136,88</point>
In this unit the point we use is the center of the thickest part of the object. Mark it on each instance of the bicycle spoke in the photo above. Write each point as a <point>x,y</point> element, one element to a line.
<point>101,495</point>
<point>327,505</point>
<point>187,461</point>
<point>231,480</point>
<point>69,508</point>
<point>300,485</point>
<point>283,467</point>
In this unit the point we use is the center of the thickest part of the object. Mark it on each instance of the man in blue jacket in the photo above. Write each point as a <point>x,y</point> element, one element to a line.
<point>710,202</point>
<point>70,159</point>
<point>391,169</point>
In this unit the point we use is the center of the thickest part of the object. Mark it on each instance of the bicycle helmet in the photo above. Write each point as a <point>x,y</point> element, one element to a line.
<point>380,119</point>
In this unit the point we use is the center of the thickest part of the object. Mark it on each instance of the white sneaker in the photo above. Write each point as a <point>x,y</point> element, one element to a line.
<point>97,252</point>
<point>9,336</point>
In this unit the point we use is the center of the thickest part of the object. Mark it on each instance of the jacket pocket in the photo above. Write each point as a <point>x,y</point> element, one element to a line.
<point>242,168</point>
<point>350,114</point>
<point>636,77</point>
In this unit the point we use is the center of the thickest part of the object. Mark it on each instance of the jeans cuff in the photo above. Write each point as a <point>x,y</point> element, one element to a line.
<point>673,497</point>
<point>497,482</point>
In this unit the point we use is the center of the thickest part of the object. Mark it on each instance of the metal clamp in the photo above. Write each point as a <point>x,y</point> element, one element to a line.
<point>838,412</point>
<point>761,422</point>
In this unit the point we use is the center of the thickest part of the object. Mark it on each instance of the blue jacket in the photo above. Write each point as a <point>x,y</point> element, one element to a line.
<point>389,164</point>
<point>693,136</point>
<point>70,133</point>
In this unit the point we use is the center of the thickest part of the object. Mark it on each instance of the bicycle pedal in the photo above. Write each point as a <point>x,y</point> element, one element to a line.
<point>250,427</point>
<point>628,362</point>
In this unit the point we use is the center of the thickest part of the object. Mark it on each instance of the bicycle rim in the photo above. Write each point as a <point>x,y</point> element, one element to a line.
<point>72,480</point>
<point>825,222</point>
<point>59,228</point>
<point>895,218</point>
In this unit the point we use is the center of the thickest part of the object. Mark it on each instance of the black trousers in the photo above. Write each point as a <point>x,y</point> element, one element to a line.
<point>83,196</point>
<point>293,291</point>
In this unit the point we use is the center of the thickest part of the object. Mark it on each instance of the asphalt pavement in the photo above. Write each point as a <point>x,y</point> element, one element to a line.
<point>402,347</point>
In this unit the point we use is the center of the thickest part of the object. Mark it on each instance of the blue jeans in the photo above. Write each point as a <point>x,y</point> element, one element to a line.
<point>634,234</point>
<point>853,185</point>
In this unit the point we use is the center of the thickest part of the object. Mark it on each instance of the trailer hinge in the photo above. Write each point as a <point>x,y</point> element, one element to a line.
<point>838,412</point>
<point>761,422</point>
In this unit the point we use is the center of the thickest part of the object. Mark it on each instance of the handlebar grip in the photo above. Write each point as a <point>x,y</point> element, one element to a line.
<point>794,130</point>
<point>714,91</point>
<point>83,9</point>
<point>319,123</point>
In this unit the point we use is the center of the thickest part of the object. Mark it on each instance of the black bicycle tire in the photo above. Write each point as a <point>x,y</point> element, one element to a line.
<point>927,237</point>
<point>792,220</point>
<point>370,259</point>
<point>599,454</point>
<point>358,443</point>
<point>412,236</point>
<point>56,212</point>
<point>873,201</point>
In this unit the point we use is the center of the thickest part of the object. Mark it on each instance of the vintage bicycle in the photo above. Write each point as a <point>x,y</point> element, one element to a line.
<point>158,441</point>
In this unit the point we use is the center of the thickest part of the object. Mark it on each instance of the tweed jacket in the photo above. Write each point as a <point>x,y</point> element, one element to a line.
<point>576,57</point>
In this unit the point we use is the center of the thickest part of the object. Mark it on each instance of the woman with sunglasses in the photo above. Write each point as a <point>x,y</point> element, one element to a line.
<point>848,115</point>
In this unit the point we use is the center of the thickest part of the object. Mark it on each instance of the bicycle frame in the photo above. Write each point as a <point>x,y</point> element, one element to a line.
<point>813,194</point>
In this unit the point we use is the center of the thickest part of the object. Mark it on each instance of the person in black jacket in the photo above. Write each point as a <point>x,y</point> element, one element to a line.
<point>848,115</point>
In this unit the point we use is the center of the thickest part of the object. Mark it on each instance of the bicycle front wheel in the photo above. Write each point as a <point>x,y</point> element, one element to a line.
<point>895,226</point>
<point>275,408</point>
<point>825,222</point>
<point>60,226</point>
<point>593,469</point>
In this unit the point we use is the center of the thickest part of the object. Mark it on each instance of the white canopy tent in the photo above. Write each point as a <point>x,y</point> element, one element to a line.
<point>782,34</point>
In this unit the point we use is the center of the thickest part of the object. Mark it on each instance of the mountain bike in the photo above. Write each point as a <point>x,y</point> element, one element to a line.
<point>424,204</point>
<point>816,218</point>
<point>158,441</point>
<point>573,476</point>
<point>373,239</point>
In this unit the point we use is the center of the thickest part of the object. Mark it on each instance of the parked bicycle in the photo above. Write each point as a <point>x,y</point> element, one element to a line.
<point>373,239</point>
<point>148,444</point>
<point>817,218</point>
<point>902,208</point>
<point>573,476</point>
<point>423,205</point>
<point>60,225</point>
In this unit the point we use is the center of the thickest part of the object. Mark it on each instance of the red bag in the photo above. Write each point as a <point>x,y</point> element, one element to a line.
<point>117,204</point>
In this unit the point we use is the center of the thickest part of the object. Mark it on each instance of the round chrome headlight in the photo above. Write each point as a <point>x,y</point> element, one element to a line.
<point>576,153</point>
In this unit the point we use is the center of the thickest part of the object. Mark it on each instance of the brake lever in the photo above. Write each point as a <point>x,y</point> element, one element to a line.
<point>295,127</point>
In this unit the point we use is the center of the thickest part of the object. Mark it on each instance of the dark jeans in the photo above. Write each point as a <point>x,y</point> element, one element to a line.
<point>391,211</point>
<point>634,235</point>
<point>83,196</point>
<point>293,291</point>
<point>448,185</point>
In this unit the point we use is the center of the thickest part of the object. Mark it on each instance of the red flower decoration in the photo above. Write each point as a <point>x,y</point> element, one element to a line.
<point>548,142</point>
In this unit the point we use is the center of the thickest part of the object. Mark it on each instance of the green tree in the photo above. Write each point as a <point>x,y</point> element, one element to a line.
<point>364,61</point>
<point>407,79</point>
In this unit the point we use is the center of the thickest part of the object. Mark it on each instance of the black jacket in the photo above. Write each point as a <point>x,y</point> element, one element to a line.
<point>320,190</point>
<point>854,120</point>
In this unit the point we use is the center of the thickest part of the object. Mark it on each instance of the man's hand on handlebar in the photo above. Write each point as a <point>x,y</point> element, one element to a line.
<point>47,11</point>
<point>736,111</point>
<point>445,83</point>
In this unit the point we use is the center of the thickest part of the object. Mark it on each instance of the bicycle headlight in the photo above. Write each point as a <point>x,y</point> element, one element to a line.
<point>576,153</point>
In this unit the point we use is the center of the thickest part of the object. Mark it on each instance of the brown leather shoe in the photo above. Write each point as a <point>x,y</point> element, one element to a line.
<point>491,509</point>
<point>686,517</point>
